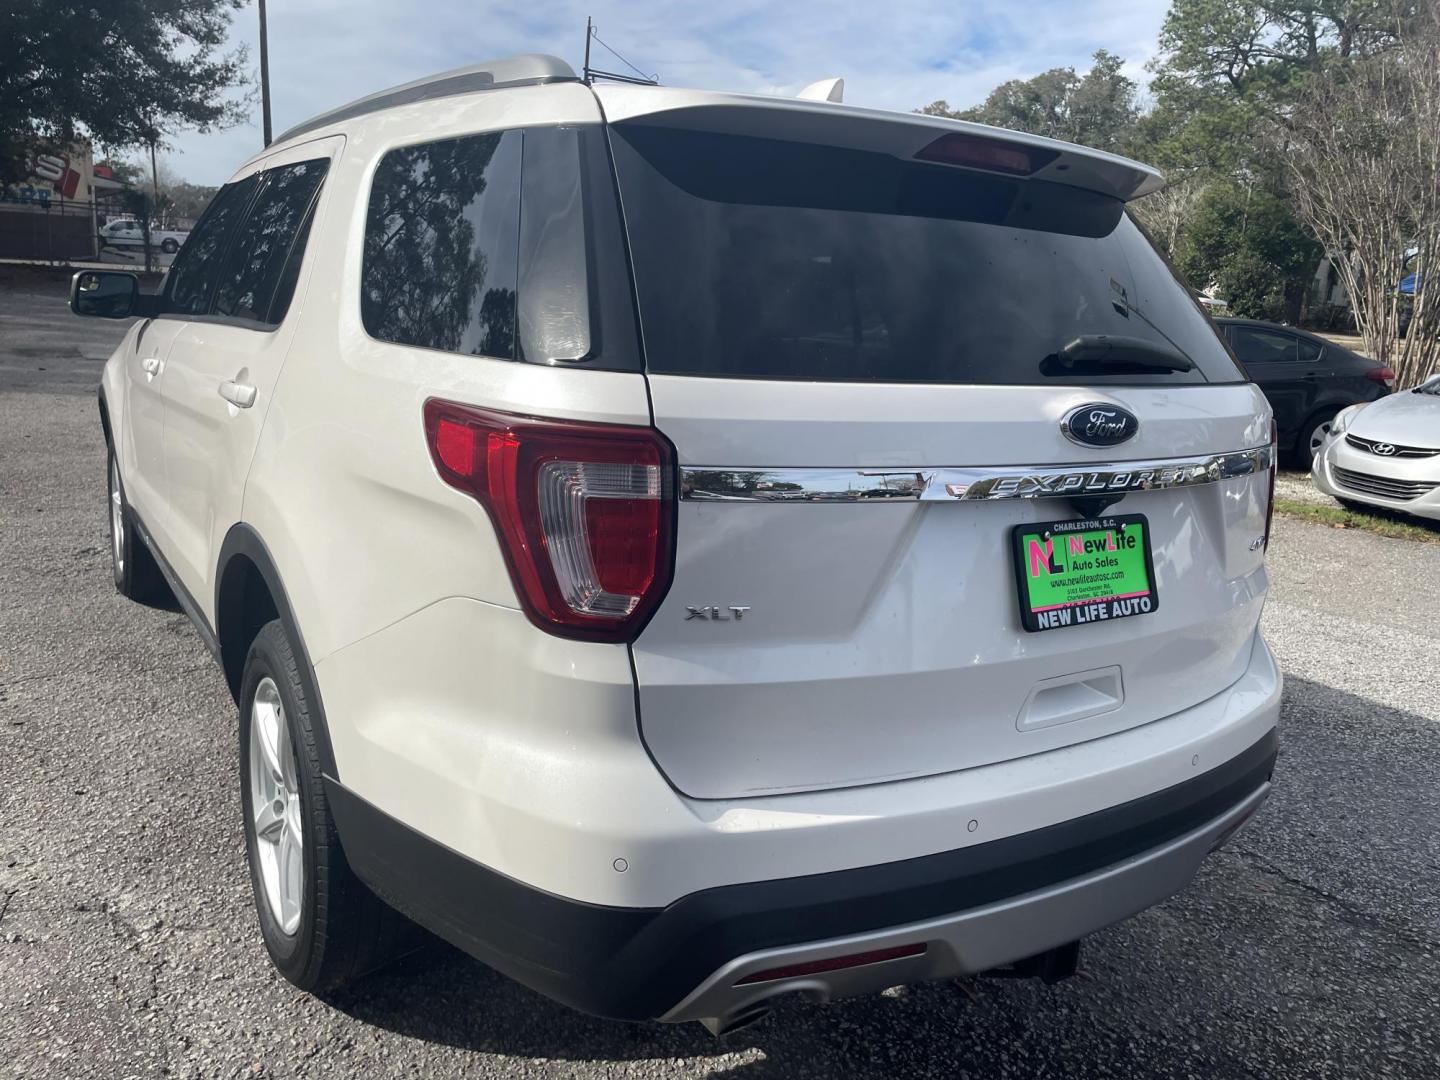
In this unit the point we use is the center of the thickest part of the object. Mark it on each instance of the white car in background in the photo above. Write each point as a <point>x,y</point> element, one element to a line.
<point>126,232</point>
<point>1386,453</point>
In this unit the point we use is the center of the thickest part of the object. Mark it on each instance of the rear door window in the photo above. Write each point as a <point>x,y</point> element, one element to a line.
<point>192,278</point>
<point>261,251</point>
<point>1256,346</point>
<point>761,258</point>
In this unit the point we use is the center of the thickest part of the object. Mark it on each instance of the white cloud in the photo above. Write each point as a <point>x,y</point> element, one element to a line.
<point>902,54</point>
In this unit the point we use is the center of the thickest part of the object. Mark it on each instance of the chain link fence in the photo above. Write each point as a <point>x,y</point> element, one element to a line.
<point>113,229</point>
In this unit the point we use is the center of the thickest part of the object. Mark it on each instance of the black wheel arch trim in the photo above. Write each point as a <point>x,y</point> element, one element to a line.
<point>105,424</point>
<point>242,541</point>
<point>638,963</point>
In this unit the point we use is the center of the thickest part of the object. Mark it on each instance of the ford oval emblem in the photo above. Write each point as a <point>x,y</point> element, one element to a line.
<point>1098,424</point>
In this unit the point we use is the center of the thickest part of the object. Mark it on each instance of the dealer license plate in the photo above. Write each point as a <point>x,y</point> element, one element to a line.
<point>1075,573</point>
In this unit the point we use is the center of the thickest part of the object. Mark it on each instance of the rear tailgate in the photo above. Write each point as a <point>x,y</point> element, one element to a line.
<point>881,637</point>
<point>846,348</point>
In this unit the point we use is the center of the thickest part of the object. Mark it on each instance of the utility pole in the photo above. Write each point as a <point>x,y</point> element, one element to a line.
<point>154,199</point>
<point>154,174</point>
<point>264,74</point>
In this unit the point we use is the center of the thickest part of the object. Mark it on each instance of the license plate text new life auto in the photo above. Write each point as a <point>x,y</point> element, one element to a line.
<point>1074,573</point>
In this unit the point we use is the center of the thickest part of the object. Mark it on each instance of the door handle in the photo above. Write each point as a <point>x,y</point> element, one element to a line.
<point>241,395</point>
<point>151,364</point>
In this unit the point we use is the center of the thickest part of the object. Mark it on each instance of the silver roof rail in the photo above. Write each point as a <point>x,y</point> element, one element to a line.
<point>529,70</point>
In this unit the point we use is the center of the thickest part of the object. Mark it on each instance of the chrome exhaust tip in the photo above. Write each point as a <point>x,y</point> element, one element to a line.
<point>720,1026</point>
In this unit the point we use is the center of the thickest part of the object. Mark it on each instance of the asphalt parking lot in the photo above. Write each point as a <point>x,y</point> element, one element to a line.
<point>128,948</point>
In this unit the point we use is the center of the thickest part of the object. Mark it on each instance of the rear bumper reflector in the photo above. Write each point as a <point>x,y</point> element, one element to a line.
<point>834,963</point>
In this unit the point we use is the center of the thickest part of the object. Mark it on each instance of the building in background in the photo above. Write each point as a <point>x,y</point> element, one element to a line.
<point>55,212</point>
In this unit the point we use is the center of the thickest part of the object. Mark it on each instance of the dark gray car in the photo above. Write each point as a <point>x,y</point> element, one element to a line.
<point>1306,378</point>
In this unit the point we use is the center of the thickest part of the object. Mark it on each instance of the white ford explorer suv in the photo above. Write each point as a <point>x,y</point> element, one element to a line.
<point>688,548</point>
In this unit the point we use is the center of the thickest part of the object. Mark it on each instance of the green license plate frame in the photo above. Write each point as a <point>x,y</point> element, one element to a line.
<point>1083,572</point>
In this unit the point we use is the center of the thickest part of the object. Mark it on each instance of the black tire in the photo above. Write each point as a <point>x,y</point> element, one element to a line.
<point>344,929</point>
<point>1303,457</point>
<point>132,566</point>
<point>169,247</point>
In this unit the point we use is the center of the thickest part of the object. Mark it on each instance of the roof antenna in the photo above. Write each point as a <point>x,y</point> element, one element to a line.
<point>591,73</point>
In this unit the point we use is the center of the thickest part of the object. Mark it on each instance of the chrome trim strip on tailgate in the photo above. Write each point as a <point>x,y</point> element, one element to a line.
<point>711,483</point>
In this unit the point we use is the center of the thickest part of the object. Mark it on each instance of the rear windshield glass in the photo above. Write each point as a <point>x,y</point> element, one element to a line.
<point>772,259</point>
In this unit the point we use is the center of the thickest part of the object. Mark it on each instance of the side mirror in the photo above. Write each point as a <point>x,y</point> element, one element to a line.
<point>106,294</point>
<point>109,294</point>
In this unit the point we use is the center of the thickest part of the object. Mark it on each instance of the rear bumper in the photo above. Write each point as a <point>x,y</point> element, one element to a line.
<point>972,940</point>
<point>974,908</point>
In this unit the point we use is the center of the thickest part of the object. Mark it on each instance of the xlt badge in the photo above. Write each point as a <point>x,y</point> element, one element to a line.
<point>716,614</point>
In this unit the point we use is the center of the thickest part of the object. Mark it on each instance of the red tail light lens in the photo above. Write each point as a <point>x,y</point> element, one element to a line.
<point>996,155</point>
<point>1274,465</point>
<point>1381,375</point>
<point>584,512</point>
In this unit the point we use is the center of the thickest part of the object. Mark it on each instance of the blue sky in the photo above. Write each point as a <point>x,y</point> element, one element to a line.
<point>898,54</point>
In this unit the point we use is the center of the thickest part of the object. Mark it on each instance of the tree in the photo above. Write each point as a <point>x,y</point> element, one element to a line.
<point>124,73</point>
<point>1364,161</point>
<point>1095,109</point>
<point>1227,83</point>
<point>185,202</point>
<point>1245,239</point>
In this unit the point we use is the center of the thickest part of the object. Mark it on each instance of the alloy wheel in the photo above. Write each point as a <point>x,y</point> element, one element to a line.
<point>117,520</point>
<point>275,808</point>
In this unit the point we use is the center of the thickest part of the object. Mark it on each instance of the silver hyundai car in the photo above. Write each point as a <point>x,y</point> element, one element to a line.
<point>1386,453</point>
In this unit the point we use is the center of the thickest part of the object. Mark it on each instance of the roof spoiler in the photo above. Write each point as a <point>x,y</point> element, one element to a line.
<point>815,119</point>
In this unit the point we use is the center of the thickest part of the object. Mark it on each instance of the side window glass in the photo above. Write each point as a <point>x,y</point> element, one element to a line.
<point>1310,350</point>
<point>261,250</point>
<point>441,241</point>
<point>1254,346</point>
<point>196,269</point>
<point>285,289</point>
<point>554,302</point>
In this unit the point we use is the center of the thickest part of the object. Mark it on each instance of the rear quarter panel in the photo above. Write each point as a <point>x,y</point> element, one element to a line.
<point>342,488</point>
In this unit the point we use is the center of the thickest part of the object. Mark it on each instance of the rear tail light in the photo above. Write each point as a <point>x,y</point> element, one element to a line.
<point>1381,375</point>
<point>996,155</point>
<point>1274,466</point>
<point>584,512</point>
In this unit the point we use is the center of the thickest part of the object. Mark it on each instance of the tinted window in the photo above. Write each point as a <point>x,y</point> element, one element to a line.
<point>262,246</point>
<point>452,263</point>
<point>192,278</point>
<point>285,288</point>
<point>1256,346</point>
<point>770,259</point>
<point>1309,350</point>
<point>441,238</point>
<point>554,303</point>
